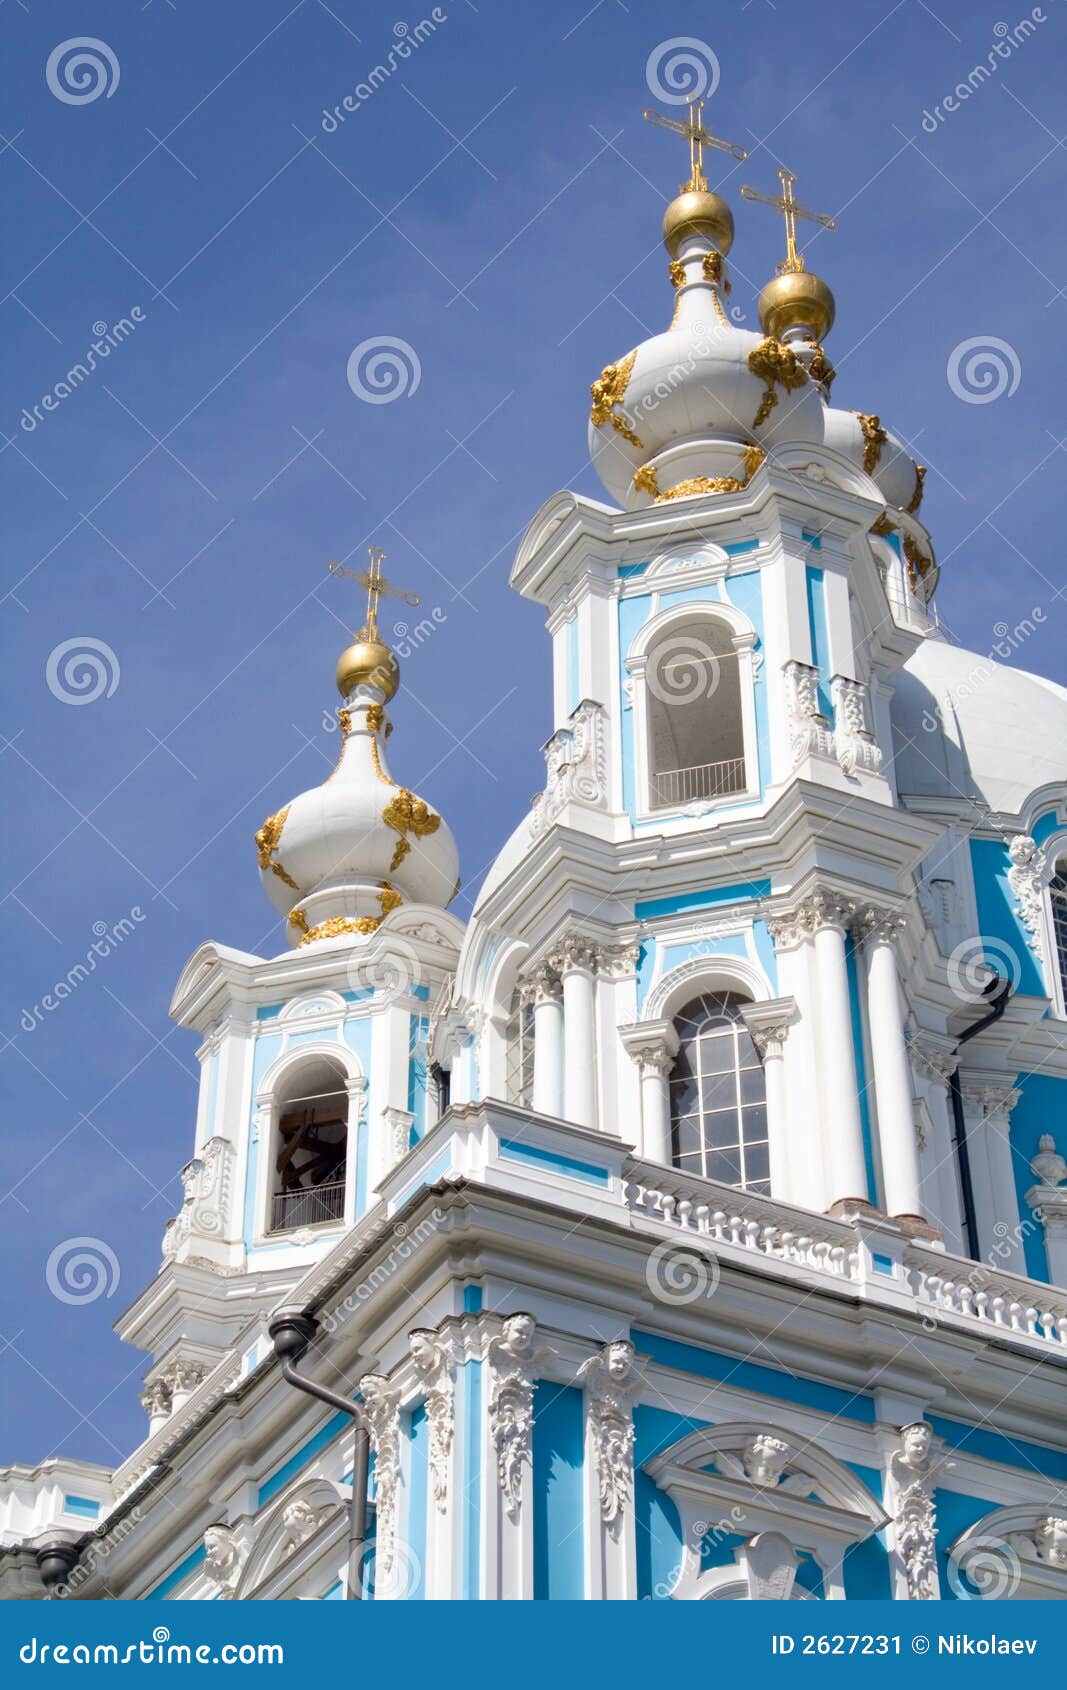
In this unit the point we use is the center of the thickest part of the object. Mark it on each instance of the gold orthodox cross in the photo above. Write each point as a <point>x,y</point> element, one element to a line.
<point>787,203</point>
<point>376,587</point>
<point>698,137</point>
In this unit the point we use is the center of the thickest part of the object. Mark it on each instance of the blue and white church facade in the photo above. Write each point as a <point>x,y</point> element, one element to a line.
<point>692,1223</point>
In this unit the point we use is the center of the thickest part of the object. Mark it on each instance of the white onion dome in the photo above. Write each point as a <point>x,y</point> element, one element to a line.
<point>703,401</point>
<point>341,856</point>
<point>696,409</point>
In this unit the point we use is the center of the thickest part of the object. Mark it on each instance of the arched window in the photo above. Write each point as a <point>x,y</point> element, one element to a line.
<point>696,742</point>
<point>1058,896</point>
<point>310,1147</point>
<point>518,1074</point>
<point>718,1095</point>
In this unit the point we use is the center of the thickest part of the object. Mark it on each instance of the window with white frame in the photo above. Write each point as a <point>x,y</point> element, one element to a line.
<point>310,1147</point>
<point>518,1073</point>
<point>696,742</point>
<point>718,1095</point>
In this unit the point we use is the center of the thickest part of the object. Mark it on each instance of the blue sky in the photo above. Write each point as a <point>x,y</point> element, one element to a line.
<point>495,204</point>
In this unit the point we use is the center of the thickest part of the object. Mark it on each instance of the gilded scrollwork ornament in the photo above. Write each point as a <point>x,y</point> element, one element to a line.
<point>874,438</point>
<point>777,366</point>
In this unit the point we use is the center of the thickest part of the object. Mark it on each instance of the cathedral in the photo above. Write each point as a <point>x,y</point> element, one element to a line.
<point>691,1223</point>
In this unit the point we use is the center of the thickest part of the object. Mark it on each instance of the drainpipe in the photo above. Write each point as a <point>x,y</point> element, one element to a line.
<point>997,990</point>
<point>291,1332</point>
<point>56,1560</point>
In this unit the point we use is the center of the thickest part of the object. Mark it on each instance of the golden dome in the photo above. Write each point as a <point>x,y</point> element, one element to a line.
<point>698,213</point>
<point>796,299</point>
<point>370,663</point>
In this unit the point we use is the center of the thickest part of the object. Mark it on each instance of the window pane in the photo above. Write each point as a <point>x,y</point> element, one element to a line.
<point>721,1129</point>
<point>683,1096</point>
<point>757,1163</point>
<point>754,1123</point>
<point>753,1088</point>
<point>719,1091</point>
<point>687,1135</point>
<point>725,1166</point>
<point>717,1053</point>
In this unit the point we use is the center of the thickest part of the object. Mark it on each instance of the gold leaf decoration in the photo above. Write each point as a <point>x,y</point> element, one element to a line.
<point>821,370</point>
<point>774,363</point>
<point>607,392</point>
<point>609,388</point>
<point>874,438</point>
<point>676,271</point>
<point>344,721</point>
<point>338,925</point>
<point>645,480</point>
<point>917,497</point>
<point>407,814</point>
<point>375,717</point>
<point>267,843</point>
<point>711,264</point>
<point>916,559</point>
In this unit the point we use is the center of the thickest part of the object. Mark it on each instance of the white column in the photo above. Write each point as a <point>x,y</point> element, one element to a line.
<point>768,1024</point>
<point>548,1042</point>
<point>577,964</point>
<point>826,916</point>
<point>653,1046</point>
<point>892,1067</point>
<point>987,1107</point>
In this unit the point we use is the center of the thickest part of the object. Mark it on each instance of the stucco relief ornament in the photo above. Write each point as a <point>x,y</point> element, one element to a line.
<point>223,1559</point>
<point>1026,880</point>
<point>809,731</point>
<point>206,1184</point>
<point>853,741</point>
<point>381,1411</point>
<point>433,1366</point>
<point>765,1460</point>
<point>576,767</point>
<point>301,1521</point>
<point>513,1358</point>
<point>1050,1540</point>
<point>911,1468</point>
<point>611,1382</point>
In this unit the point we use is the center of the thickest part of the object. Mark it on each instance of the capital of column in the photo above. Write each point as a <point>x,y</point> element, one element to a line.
<point>768,1024</point>
<point>878,924</point>
<point>618,962</point>
<point>990,1102</point>
<point>575,954</point>
<point>542,985</point>
<point>653,1045</point>
<point>823,908</point>
<point>937,1061</point>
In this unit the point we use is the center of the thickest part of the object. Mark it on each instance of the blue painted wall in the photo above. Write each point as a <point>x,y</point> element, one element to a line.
<point>558,1512</point>
<point>997,919</point>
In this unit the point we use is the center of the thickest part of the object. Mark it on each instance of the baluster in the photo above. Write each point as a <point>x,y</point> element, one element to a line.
<point>804,1250</point>
<point>769,1241</point>
<point>1017,1312</point>
<point>718,1222</point>
<point>1031,1323</point>
<point>737,1229</point>
<point>787,1246</point>
<point>999,1306</point>
<point>752,1233</point>
<point>685,1209</point>
<point>981,1304</point>
<point>703,1216</point>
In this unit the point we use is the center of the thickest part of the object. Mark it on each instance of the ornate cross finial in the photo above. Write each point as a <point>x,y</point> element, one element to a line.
<point>698,137</point>
<point>787,203</point>
<point>376,587</point>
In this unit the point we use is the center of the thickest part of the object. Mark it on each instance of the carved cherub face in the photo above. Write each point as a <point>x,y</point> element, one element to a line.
<point>298,1514</point>
<point>915,1441</point>
<point>765,1457</point>
<point>518,1331</point>
<point>620,1359</point>
<point>219,1547</point>
<point>421,1346</point>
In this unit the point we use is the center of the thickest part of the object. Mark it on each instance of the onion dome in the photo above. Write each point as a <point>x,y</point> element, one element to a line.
<point>340,857</point>
<point>695,409</point>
